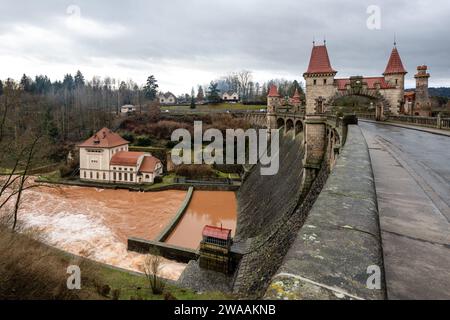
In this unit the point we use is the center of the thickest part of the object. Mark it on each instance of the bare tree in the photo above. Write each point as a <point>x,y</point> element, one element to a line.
<point>152,269</point>
<point>244,77</point>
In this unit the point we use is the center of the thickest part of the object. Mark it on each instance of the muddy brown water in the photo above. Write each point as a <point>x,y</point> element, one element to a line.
<point>96,223</point>
<point>206,208</point>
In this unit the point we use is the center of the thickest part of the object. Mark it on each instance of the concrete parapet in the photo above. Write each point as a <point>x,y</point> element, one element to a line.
<point>340,239</point>
<point>165,250</point>
<point>177,218</point>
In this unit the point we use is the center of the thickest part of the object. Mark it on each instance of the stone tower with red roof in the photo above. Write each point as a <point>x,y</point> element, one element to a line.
<point>273,103</point>
<point>394,76</point>
<point>319,79</point>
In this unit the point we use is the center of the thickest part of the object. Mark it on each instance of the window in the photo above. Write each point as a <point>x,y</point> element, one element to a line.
<point>85,174</point>
<point>98,176</point>
<point>147,177</point>
<point>91,175</point>
<point>120,176</point>
<point>104,176</point>
<point>125,176</point>
<point>114,176</point>
<point>324,81</point>
<point>131,177</point>
<point>315,81</point>
<point>320,106</point>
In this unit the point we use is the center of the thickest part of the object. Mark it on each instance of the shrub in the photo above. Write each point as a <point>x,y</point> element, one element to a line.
<point>171,144</point>
<point>129,137</point>
<point>195,171</point>
<point>168,296</point>
<point>116,294</point>
<point>158,179</point>
<point>143,141</point>
<point>68,169</point>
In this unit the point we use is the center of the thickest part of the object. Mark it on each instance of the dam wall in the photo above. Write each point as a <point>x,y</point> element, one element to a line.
<point>339,247</point>
<point>271,210</point>
<point>261,196</point>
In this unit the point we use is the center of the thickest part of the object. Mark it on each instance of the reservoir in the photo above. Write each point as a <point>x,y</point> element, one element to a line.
<point>215,208</point>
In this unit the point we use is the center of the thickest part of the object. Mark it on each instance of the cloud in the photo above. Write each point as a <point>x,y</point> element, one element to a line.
<point>184,43</point>
<point>88,28</point>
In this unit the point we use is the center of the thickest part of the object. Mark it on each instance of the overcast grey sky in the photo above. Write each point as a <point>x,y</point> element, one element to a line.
<point>184,43</point>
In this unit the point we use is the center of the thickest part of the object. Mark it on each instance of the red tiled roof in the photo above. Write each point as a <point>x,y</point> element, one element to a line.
<point>395,64</point>
<point>216,232</point>
<point>296,96</point>
<point>320,61</point>
<point>273,91</point>
<point>149,164</point>
<point>410,95</point>
<point>105,138</point>
<point>126,158</point>
<point>370,81</point>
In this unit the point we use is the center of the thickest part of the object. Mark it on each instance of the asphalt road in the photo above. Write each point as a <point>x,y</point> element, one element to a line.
<point>412,178</point>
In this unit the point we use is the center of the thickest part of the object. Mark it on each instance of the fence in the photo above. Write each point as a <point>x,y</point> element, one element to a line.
<point>431,122</point>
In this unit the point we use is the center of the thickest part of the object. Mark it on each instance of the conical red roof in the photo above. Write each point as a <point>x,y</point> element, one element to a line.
<point>395,64</point>
<point>320,61</point>
<point>273,91</point>
<point>296,96</point>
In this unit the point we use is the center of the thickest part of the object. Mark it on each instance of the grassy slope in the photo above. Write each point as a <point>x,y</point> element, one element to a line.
<point>32,270</point>
<point>129,284</point>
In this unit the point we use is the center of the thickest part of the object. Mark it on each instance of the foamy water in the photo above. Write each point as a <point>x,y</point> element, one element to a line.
<point>96,223</point>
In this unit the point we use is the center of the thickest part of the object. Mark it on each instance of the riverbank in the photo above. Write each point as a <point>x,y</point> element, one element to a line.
<point>167,184</point>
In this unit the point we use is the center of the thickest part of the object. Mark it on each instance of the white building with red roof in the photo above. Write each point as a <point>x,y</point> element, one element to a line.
<point>105,158</point>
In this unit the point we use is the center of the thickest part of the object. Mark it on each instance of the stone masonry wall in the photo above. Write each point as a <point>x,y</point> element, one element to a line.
<point>272,226</point>
<point>340,240</point>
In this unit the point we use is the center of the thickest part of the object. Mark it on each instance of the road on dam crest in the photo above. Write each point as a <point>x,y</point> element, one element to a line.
<point>412,178</point>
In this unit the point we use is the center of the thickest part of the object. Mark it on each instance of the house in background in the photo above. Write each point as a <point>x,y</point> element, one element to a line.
<point>105,158</point>
<point>230,96</point>
<point>128,108</point>
<point>167,98</point>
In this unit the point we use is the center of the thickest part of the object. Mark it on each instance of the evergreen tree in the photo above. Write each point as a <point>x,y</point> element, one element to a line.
<point>151,88</point>
<point>26,84</point>
<point>50,126</point>
<point>295,86</point>
<point>193,106</point>
<point>42,85</point>
<point>68,82</point>
<point>213,93</point>
<point>201,94</point>
<point>79,80</point>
